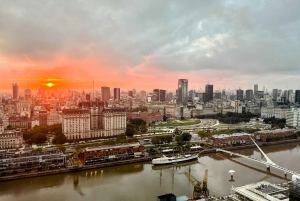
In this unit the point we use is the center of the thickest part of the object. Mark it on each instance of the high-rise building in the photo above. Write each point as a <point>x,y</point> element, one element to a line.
<point>88,97</point>
<point>297,96</point>
<point>182,92</point>
<point>255,90</point>
<point>275,94</point>
<point>27,94</point>
<point>162,95</point>
<point>130,93</point>
<point>249,95</point>
<point>240,94</point>
<point>116,94</point>
<point>290,91</point>
<point>209,90</point>
<point>159,95</point>
<point>156,95</point>
<point>15,87</point>
<point>105,93</point>
<point>42,93</point>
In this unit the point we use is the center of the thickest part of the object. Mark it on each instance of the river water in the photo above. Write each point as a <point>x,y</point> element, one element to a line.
<point>142,182</point>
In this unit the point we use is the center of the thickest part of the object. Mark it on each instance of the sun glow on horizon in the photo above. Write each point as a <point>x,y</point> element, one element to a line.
<point>49,84</point>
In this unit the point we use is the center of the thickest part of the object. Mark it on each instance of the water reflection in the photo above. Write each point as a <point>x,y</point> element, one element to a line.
<point>76,185</point>
<point>32,184</point>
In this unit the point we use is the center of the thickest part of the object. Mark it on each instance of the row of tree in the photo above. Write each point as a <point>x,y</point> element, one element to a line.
<point>38,134</point>
<point>161,139</point>
<point>275,123</point>
<point>230,117</point>
<point>135,126</point>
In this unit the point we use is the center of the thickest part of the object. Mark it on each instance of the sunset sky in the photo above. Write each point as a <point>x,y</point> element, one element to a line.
<point>150,44</point>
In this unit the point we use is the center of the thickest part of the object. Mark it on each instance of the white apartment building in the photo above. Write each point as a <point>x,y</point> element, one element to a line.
<point>10,139</point>
<point>293,117</point>
<point>24,108</point>
<point>53,117</point>
<point>76,123</point>
<point>96,122</point>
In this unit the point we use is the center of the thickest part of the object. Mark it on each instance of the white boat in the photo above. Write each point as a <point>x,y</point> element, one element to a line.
<point>174,159</point>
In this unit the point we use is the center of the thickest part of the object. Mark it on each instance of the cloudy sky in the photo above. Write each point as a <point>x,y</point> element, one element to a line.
<point>150,44</point>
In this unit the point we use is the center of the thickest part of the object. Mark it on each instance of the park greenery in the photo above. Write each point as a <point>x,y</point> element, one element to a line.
<point>230,117</point>
<point>120,139</point>
<point>156,140</point>
<point>183,139</point>
<point>136,125</point>
<point>179,123</point>
<point>38,134</point>
<point>275,123</point>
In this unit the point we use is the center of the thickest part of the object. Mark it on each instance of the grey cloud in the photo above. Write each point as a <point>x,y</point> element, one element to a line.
<point>261,36</point>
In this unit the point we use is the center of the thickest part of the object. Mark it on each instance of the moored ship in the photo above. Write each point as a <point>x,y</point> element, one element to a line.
<point>174,159</point>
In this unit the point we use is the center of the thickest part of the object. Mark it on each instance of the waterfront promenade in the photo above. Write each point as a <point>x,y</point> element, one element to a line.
<point>122,162</point>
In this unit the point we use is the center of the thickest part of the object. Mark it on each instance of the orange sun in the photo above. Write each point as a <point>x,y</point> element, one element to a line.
<point>50,84</point>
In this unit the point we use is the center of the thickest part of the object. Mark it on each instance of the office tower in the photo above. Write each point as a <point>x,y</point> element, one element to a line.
<point>290,91</point>
<point>41,93</point>
<point>255,90</point>
<point>105,93</point>
<point>217,95</point>
<point>130,93</point>
<point>88,97</point>
<point>240,94</point>
<point>285,93</point>
<point>156,95</point>
<point>297,96</point>
<point>159,95</point>
<point>27,94</point>
<point>116,94</point>
<point>191,92</point>
<point>162,95</point>
<point>182,92</point>
<point>209,90</point>
<point>223,94</point>
<point>15,87</point>
<point>249,95</point>
<point>275,93</point>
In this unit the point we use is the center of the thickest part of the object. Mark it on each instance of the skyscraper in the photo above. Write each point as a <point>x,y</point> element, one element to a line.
<point>162,95</point>
<point>105,93</point>
<point>249,95</point>
<point>209,90</point>
<point>156,92</point>
<point>27,94</point>
<point>15,87</point>
<point>297,96</point>
<point>159,95</point>
<point>240,94</point>
<point>182,91</point>
<point>275,93</point>
<point>116,94</point>
<point>42,92</point>
<point>255,91</point>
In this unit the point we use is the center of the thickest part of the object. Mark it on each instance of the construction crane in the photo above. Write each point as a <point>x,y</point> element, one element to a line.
<point>205,190</point>
<point>198,191</point>
<point>197,185</point>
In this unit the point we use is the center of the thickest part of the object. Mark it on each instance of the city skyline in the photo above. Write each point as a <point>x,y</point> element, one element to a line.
<point>231,45</point>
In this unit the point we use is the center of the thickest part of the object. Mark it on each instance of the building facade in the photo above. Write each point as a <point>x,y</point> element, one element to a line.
<point>96,121</point>
<point>105,93</point>
<point>11,139</point>
<point>182,92</point>
<point>116,94</point>
<point>15,88</point>
<point>209,91</point>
